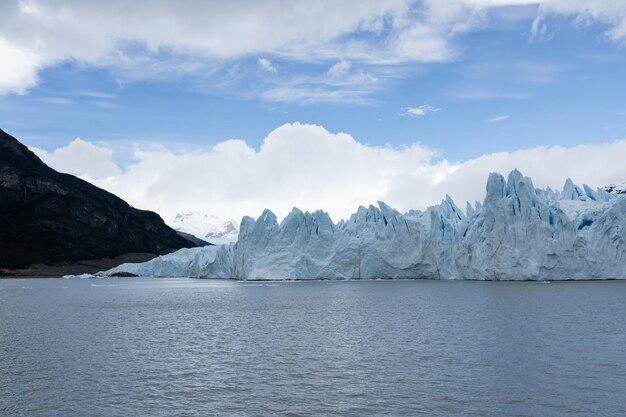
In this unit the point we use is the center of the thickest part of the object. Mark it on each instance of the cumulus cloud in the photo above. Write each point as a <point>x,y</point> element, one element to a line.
<point>595,165</point>
<point>418,111</point>
<point>165,38</point>
<point>81,158</point>
<point>19,68</point>
<point>311,168</point>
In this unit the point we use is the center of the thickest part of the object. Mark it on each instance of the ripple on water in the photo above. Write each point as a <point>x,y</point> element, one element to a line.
<point>194,347</point>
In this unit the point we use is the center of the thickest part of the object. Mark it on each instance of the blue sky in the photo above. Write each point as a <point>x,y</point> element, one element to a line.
<point>461,78</point>
<point>566,89</point>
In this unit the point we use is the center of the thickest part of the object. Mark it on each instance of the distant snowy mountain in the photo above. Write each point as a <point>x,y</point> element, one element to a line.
<point>519,232</point>
<point>615,188</point>
<point>211,228</point>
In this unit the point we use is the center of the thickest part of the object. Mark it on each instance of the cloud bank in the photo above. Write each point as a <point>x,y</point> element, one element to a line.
<point>166,38</point>
<point>82,158</point>
<point>311,168</point>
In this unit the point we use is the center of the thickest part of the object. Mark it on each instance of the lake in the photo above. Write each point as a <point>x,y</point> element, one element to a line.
<point>163,347</point>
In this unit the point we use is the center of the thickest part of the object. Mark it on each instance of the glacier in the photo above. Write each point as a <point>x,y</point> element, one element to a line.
<point>519,232</point>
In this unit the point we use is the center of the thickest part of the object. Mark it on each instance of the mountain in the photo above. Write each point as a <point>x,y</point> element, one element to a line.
<point>615,188</point>
<point>206,227</point>
<point>519,232</point>
<point>198,242</point>
<point>52,218</point>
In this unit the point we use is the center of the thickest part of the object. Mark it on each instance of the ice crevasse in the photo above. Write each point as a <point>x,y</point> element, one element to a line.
<point>519,232</point>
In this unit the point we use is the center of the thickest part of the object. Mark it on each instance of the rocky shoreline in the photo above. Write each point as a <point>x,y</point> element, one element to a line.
<point>90,266</point>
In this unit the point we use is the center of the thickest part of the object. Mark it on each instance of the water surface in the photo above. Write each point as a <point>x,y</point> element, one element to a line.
<point>162,347</point>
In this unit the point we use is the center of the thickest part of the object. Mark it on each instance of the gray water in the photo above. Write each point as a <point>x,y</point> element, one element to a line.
<point>164,347</point>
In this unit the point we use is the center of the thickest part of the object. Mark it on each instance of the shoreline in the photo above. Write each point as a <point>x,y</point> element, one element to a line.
<point>301,280</point>
<point>88,266</point>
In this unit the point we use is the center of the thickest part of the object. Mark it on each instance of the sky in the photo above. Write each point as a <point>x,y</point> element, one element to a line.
<point>229,107</point>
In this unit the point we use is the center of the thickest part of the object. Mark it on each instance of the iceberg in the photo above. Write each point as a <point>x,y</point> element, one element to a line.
<point>519,232</point>
<point>80,276</point>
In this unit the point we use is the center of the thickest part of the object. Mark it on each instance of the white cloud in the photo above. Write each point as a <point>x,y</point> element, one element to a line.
<point>418,111</point>
<point>596,165</point>
<point>164,38</point>
<point>81,158</point>
<point>266,64</point>
<point>499,118</point>
<point>308,167</point>
<point>18,71</point>
<point>539,29</point>
<point>340,74</point>
<point>610,12</point>
<point>338,85</point>
<point>340,69</point>
<point>315,93</point>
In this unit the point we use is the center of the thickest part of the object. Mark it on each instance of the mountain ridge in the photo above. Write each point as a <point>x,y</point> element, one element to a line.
<point>206,227</point>
<point>50,217</point>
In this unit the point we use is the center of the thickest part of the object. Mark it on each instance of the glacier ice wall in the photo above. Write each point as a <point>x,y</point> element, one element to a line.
<point>519,232</point>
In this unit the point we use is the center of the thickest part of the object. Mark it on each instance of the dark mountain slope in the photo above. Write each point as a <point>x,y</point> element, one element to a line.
<point>47,217</point>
